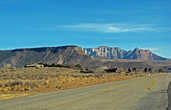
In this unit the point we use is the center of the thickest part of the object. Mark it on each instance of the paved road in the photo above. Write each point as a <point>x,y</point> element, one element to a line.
<point>137,94</point>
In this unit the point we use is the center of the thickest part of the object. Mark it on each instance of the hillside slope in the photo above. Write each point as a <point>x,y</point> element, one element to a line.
<point>56,55</point>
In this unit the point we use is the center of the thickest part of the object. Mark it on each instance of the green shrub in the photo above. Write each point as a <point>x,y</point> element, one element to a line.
<point>161,70</point>
<point>78,66</point>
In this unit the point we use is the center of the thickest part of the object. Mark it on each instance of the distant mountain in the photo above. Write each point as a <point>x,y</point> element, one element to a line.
<point>118,53</point>
<point>93,58</point>
<point>56,55</point>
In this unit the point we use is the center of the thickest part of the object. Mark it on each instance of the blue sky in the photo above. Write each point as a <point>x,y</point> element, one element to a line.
<point>88,23</point>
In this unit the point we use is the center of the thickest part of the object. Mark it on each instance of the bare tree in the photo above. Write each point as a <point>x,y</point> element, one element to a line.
<point>134,69</point>
<point>145,70</point>
<point>129,70</point>
<point>150,70</point>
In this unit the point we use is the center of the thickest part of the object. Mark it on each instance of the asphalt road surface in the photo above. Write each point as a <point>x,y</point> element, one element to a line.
<point>136,94</point>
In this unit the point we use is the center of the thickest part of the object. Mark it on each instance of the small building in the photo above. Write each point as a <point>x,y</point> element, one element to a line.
<point>34,66</point>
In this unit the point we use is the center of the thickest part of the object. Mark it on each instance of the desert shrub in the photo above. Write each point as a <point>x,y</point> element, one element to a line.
<point>56,75</point>
<point>58,65</point>
<point>1,85</point>
<point>58,87</point>
<point>64,66</point>
<point>134,69</point>
<point>99,75</point>
<point>161,70</point>
<point>13,83</point>
<point>150,70</point>
<point>75,76</point>
<point>145,70</point>
<point>120,70</point>
<point>40,76</point>
<point>87,76</point>
<point>126,74</point>
<point>78,66</point>
<point>129,70</point>
<point>86,71</point>
<point>111,70</point>
<point>26,89</point>
<point>30,84</point>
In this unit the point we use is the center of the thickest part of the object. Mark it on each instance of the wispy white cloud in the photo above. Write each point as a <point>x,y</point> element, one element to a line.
<point>109,28</point>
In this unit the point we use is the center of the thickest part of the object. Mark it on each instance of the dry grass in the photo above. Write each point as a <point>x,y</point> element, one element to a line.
<point>26,81</point>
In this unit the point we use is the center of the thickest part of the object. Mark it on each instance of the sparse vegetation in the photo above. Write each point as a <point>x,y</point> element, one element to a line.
<point>129,70</point>
<point>112,70</point>
<point>120,70</point>
<point>78,66</point>
<point>150,70</point>
<point>161,70</point>
<point>38,80</point>
<point>145,70</point>
<point>86,71</point>
<point>57,65</point>
<point>134,69</point>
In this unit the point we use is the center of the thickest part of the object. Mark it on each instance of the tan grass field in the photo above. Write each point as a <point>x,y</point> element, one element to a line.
<point>28,81</point>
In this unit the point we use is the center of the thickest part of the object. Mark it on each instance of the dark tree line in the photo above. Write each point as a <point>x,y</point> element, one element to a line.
<point>111,70</point>
<point>135,70</point>
<point>147,70</point>
<point>129,70</point>
<point>132,70</point>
